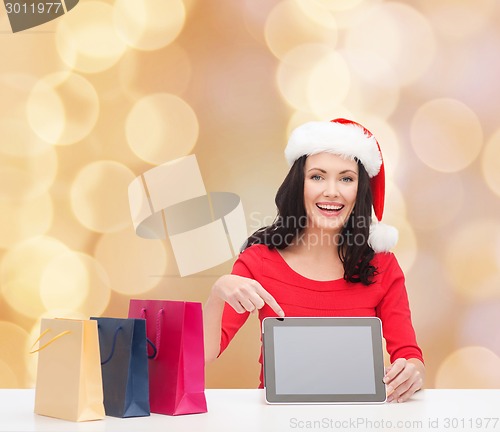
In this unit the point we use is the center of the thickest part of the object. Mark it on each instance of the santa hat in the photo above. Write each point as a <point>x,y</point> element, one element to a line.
<point>349,139</point>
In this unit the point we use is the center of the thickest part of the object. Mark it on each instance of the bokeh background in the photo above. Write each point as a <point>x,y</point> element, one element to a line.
<point>92,100</point>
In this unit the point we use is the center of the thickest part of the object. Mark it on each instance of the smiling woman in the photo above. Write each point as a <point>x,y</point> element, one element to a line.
<point>330,188</point>
<point>323,256</point>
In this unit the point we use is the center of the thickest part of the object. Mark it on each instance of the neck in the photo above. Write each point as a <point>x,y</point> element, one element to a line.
<point>318,242</point>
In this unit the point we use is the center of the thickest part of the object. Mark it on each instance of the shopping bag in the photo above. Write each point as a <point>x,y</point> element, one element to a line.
<point>177,366</point>
<point>69,383</point>
<point>124,366</point>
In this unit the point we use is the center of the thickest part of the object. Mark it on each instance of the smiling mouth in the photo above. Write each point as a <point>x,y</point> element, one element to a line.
<point>330,208</point>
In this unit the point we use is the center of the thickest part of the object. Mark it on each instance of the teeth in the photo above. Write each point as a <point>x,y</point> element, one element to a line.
<point>329,207</point>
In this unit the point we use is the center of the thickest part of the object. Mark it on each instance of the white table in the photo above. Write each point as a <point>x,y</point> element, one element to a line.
<point>246,410</point>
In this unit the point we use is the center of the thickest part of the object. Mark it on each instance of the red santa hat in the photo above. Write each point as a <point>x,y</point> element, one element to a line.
<point>349,139</point>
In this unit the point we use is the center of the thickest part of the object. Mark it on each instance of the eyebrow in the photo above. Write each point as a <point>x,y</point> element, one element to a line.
<point>341,172</point>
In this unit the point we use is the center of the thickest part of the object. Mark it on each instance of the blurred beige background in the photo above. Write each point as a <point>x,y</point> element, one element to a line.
<point>92,100</point>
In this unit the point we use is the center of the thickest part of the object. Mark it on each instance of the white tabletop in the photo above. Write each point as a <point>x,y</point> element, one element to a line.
<point>246,410</point>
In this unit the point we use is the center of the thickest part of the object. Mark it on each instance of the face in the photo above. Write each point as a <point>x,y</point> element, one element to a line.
<point>330,188</point>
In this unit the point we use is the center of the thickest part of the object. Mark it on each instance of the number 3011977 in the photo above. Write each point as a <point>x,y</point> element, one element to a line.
<point>32,8</point>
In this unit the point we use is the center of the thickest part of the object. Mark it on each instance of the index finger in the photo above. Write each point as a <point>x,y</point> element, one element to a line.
<point>269,299</point>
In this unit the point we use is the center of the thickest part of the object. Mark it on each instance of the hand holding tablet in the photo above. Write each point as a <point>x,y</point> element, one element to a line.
<point>403,378</point>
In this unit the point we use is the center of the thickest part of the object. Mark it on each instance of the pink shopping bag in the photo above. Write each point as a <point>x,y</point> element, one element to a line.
<point>177,359</point>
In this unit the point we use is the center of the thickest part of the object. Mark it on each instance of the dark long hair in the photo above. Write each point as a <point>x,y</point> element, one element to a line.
<point>354,251</point>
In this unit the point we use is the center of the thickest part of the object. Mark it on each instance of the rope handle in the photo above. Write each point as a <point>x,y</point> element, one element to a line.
<point>60,335</point>
<point>159,322</point>
<point>112,346</point>
<point>155,351</point>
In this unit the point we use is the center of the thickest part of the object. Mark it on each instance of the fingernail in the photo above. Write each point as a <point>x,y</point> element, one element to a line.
<point>389,399</point>
<point>384,379</point>
<point>389,390</point>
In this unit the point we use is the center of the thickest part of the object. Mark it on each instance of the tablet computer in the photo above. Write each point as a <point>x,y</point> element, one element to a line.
<point>323,360</point>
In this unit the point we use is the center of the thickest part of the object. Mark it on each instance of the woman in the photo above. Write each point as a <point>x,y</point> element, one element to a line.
<point>323,256</point>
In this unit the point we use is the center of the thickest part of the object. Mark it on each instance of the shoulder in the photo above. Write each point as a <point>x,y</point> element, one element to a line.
<point>250,262</point>
<point>384,259</point>
<point>255,252</point>
<point>387,265</point>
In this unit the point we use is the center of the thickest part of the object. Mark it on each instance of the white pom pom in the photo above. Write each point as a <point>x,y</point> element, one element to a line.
<point>382,237</point>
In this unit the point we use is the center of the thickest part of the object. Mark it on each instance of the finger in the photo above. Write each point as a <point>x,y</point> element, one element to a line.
<point>240,299</point>
<point>416,384</point>
<point>394,370</point>
<point>400,389</point>
<point>236,305</point>
<point>248,298</point>
<point>401,383</point>
<point>256,299</point>
<point>408,393</point>
<point>247,304</point>
<point>389,390</point>
<point>269,299</point>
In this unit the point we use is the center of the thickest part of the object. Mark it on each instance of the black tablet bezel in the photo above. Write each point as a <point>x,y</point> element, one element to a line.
<point>268,325</point>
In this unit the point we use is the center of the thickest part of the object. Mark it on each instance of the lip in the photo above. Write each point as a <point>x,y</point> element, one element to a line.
<point>330,213</point>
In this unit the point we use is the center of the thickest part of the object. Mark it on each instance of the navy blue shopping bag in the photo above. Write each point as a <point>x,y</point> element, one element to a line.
<point>124,365</point>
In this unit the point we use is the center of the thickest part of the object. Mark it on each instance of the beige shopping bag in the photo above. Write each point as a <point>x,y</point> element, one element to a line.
<point>69,382</point>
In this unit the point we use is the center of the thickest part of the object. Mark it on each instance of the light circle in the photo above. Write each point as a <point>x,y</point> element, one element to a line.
<point>64,282</point>
<point>86,39</point>
<point>26,178</point>
<point>446,135</point>
<point>328,84</point>
<point>161,127</point>
<point>63,108</point>
<point>13,353</point>
<point>21,288</point>
<point>469,367</point>
<point>99,197</point>
<point>23,219</point>
<point>397,33</point>
<point>294,73</point>
<point>75,281</point>
<point>148,24</point>
<point>134,265</point>
<point>287,26</point>
<point>18,139</point>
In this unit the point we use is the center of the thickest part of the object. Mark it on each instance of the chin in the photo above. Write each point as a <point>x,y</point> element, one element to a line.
<point>330,228</point>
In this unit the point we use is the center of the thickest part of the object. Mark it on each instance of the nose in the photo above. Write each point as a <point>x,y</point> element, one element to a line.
<point>331,189</point>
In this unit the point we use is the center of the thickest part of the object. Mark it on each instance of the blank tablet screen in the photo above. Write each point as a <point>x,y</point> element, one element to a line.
<point>325,360</point>
<point>333,360</point>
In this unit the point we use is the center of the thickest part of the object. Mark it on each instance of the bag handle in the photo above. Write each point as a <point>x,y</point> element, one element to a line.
<point>152,356</point>
<point>64,333</point>
<point>159,322</point>
<point>112,346</point>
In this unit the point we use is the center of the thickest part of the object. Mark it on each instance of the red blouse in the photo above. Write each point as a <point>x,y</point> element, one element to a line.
<point>297,295</point>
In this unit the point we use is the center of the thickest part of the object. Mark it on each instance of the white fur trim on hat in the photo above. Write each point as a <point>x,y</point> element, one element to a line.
<point>382,237</point>
<point>347,140</point>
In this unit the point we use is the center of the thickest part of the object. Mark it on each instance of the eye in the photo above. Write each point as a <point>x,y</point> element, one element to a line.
<point>347,179</point>
<point>316,177</point>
